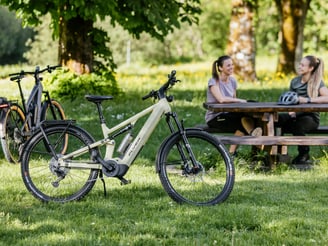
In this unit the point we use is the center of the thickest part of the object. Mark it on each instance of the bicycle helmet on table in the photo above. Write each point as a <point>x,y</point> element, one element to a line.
<point>288,98</point>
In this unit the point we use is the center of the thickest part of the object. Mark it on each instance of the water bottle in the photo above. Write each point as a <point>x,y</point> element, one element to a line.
<point>125,143</point>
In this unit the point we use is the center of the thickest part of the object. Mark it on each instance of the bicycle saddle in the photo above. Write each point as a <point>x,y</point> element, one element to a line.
<point>97,98</point>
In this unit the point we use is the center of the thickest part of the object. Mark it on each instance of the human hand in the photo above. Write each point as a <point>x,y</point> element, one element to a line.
<point>302,99</point>
<point>292,114</point>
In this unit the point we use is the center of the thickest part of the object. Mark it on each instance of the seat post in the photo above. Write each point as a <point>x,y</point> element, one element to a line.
<point>97,100</point>
<point>100,112</point>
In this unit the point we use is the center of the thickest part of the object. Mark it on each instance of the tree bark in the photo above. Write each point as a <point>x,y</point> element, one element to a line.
<point>292,20</point>
<point>241,43</point>
<point>75,44</point>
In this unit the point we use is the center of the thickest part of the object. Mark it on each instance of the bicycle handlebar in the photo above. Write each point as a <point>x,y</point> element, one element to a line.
<point>36,72</point>
<point>161,92</point>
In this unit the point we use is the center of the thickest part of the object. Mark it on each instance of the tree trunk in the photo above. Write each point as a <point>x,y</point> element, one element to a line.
<point>241,43</point>
<point>75,44</point>
<point>292,20</point>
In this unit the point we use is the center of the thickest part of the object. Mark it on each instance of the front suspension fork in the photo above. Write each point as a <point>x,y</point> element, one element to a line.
<point>196,167</point>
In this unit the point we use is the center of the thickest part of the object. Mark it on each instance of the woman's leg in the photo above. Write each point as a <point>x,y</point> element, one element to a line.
<point>302,125</point>
<point>233,147</point>
<point>249,126</point>
<point>228,122</point>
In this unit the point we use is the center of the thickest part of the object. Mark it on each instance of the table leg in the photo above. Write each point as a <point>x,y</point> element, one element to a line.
<point>272,150</point>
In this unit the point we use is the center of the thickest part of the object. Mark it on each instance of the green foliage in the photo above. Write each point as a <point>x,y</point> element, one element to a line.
<point>65,84</point>
<point>214,26</point>
<point>267,28</point>
<point>12,38</point>
<point>187,43</point>
<point>42,47</point>
<point>316,27</point>
<point>157,18</point>
<point>104,58</point>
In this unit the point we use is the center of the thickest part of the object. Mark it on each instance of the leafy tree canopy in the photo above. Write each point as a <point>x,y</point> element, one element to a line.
<point>157,18</point>
<point>80,43</point>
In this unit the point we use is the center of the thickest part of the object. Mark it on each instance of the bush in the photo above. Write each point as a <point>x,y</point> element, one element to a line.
<point>70,85</point>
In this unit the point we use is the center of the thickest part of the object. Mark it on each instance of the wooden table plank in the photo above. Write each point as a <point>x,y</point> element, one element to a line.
<point>265,107</point>
<point>274,140</point>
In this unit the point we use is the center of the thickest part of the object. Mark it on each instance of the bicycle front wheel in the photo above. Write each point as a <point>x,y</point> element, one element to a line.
<point>41,172</point>
<point>13,126</point>
<point>209,182</point>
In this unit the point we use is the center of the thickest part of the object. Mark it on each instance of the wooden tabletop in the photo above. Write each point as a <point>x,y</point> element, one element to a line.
<point>265,107</point>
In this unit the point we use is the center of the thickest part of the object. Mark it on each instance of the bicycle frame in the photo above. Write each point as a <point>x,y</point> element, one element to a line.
<point>34,98</point>
<point>155,112</point>
<point>33,108</point>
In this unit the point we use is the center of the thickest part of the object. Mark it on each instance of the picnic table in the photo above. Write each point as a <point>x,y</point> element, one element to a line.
<point>267,113</point>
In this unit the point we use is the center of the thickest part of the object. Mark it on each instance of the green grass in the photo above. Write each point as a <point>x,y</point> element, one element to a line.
<point>282,207</point>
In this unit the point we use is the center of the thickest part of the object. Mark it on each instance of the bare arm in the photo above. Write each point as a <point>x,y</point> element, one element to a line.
<point>223,99</point>
<point>322,98</point>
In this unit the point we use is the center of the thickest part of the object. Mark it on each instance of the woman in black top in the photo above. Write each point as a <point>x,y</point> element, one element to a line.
<point>310,88</point>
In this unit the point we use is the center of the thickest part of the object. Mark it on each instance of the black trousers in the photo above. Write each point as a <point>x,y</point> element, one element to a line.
<point>298,126</point>
<point>228,122</point>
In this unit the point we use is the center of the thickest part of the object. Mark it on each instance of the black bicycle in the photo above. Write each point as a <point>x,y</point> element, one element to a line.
<point>19,121</point>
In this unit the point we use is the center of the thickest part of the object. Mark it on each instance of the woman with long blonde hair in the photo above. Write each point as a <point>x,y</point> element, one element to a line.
<point>310,88</point>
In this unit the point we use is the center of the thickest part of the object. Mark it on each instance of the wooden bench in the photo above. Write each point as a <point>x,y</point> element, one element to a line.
<point>320,130</point>
<point>271,141</point>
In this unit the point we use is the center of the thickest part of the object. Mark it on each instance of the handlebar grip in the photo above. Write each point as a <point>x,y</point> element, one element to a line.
<point>17,74</point>
<point>15,78</point>
<point>150,94</point>
<point>51,68</point>
<point>14,74</point>
<point>173,73</point>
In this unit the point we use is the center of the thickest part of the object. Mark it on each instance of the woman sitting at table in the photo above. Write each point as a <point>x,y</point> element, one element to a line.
<point>222,89</point>
<point>310,88</point>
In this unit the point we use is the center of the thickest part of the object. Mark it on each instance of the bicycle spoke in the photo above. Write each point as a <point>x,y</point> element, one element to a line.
<point>208,183</point>
<point>43,175</point>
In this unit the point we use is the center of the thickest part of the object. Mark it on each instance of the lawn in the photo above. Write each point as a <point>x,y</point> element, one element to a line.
<point>281,207</point>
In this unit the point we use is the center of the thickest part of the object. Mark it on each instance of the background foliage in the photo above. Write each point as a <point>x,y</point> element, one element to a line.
<point>13,38</point>
<point>189,43</point>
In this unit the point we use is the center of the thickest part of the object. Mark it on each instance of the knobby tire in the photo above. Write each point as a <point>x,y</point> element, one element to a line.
<point>207,186</point>
<point>44,178</point>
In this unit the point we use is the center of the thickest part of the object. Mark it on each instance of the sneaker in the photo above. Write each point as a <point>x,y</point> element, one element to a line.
<point>234,154</point>
<point>257,132</point>
<point>302,159</point>
<point>302,167</point>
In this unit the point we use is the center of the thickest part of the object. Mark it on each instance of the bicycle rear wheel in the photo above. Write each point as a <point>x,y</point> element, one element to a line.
<point>13,123</point>
<point>43,176</point>
<point>208,185</point>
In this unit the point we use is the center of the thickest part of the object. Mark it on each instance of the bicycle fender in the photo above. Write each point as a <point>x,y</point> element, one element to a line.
<point>47,123</point>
